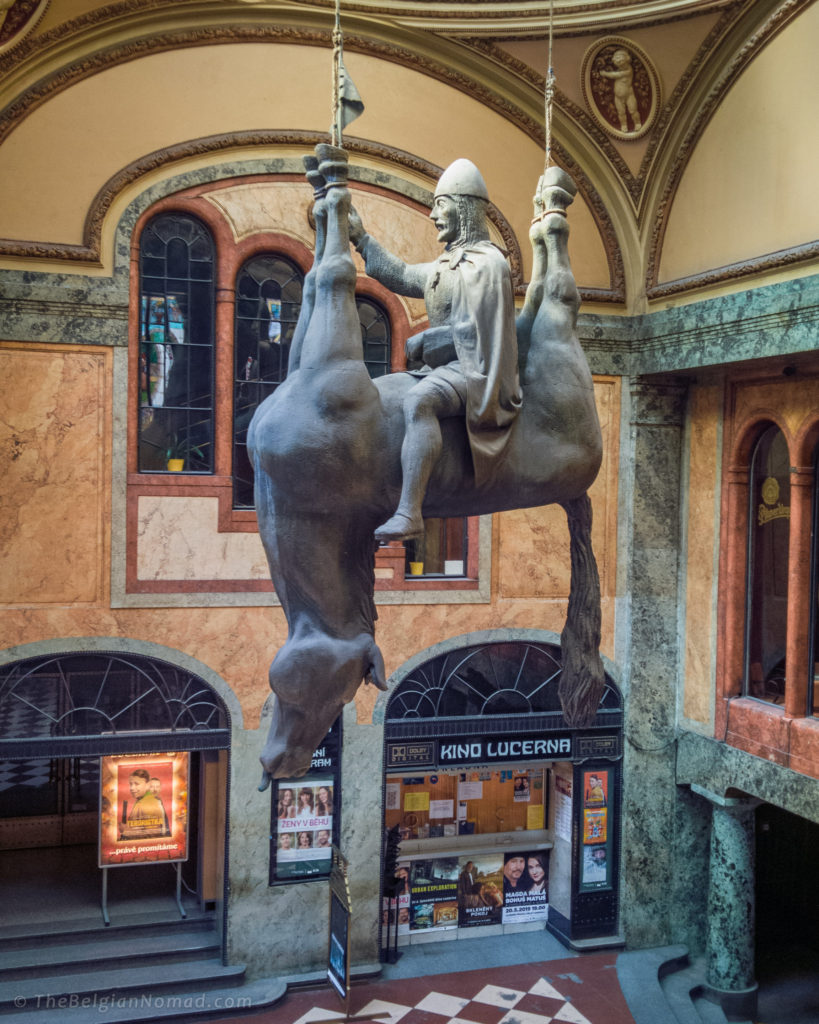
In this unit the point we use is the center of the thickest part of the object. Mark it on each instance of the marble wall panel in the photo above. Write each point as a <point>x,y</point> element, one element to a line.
<point>655,443</point>
<point>238,643</point>
<point>53,460</point>
<point>533,545</point>
<point>266,206</point>
<point>261,928</point>
<point>721,768</point>
<point>178,538</point>
<point>702,533</point>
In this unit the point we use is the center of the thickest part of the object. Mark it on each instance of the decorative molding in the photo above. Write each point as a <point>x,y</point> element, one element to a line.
<point>779,260</point>
<point>38,94</point>
<point>90,249</point>
<point>635,184</point>
<point>18,22</point>
<point>644,87</point>
<point>521,21</point>
<point>772,26</point>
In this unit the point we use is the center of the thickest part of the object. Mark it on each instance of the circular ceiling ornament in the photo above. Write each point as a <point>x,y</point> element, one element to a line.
<point>621,87</point>
<point>17,19</point>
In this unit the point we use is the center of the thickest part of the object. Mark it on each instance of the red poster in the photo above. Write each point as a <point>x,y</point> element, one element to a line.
<point>143,808</point>
<point>595,789</point>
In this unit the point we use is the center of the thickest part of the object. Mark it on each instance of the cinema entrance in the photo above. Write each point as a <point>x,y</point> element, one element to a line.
<point>508,819</point>
<point>113,787</point>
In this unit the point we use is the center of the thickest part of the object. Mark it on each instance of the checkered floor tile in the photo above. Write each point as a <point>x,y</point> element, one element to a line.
<point>559,992</point>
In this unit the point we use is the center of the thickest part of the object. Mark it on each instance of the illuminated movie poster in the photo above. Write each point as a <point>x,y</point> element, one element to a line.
<point>143,808</point>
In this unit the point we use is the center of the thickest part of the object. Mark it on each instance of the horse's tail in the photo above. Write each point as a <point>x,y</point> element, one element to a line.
<point>582,680</point>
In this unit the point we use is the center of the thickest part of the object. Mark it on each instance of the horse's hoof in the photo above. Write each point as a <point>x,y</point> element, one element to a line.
<point>332,164</point>
<point>314,176</point>
<point>400,527</point>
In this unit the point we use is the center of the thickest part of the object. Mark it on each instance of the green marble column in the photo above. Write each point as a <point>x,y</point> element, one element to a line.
<point>731,925</point>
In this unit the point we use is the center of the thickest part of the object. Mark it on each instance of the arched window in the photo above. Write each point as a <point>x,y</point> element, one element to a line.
<point>509,679</point>
<point>375,335</point>
<point>268,300</point>
<point>767,582</point>
<point>176,334</point>
<point>813,662</point>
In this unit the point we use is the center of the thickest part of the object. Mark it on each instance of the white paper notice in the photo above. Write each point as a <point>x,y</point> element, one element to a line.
<point>392,798</point>
<point>470,790</point>
<point>563,809</point>
<point>442,808</point>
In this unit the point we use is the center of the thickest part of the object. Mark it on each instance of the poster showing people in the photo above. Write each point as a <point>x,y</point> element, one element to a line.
<point>304,824</point>
<point>480,890</point>
<point>433,894</point>
<point>521,784</point>
<point>594,864</point>
<point>595,789</point>
<point>525,886</point>
<point>595,867</point>
<point>143,808</point>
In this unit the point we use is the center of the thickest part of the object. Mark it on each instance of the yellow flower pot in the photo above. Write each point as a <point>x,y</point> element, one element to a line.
<point>176,465</point>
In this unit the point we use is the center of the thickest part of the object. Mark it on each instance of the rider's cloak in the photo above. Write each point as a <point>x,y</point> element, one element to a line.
<point>470,288</point>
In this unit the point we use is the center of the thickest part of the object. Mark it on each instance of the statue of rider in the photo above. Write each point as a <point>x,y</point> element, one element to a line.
<point>466,361</point>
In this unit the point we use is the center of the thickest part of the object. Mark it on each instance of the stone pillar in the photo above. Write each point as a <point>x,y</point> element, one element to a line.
<point>648,647</point>
<point>731,925</point>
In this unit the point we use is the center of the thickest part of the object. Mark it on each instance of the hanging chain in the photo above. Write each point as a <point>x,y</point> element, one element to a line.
<point>550,89</point>
<point>335,131</point>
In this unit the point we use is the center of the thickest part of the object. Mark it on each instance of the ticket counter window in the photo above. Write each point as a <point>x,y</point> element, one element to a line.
<point>474,848</point>
<point>485,791</point>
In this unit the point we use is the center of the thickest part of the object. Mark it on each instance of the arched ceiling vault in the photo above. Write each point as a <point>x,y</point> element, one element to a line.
<point>460,44</point>
<point>64,58</point>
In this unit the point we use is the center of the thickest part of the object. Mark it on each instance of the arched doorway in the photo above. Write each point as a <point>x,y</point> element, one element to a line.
<point>508,817</point>
<point>68,723</point>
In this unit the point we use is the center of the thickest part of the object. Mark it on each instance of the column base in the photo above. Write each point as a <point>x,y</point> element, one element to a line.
<point>737,1005</point>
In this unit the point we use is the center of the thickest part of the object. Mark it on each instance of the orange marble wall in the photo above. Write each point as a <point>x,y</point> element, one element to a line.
<point>533,544</point>
<point>705,405</point>
<point>54,459</point>
<point>236,643</point>
<point>54,552</point>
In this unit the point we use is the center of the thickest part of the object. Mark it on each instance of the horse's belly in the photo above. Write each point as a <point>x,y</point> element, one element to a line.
<point>319,438</point>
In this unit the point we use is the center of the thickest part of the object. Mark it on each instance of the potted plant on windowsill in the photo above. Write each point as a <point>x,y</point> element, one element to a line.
<point>179,451</point>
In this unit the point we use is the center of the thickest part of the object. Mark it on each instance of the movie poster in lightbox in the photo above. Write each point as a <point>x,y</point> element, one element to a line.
<point>143,808</point>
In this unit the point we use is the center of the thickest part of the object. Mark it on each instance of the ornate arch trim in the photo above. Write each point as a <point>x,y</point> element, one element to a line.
<point>468,640</point>
<point>90,249</point>
<point>684,150</point>
<point>128,647</point>
<point>433,67</point>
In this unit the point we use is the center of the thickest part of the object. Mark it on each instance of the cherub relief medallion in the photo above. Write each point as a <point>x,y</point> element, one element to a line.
<point>17,19</point>
<point>621,87</point>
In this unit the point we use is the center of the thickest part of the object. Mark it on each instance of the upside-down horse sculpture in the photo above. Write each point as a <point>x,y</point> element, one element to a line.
<point>495,413</point>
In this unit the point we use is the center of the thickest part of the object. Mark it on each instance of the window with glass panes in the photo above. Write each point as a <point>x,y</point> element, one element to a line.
<point>268,300</point>
<point>767,583</point>
<point>813,660</point>
<point>176,369</point>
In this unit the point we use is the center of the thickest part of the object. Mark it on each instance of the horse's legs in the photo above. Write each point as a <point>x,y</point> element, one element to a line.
<point>308,297</point>
<point>582,680</point>
<point>426,404</point>
<point>334,330</point>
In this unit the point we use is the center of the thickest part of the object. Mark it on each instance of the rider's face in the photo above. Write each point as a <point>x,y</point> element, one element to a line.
<point>445,217</point>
